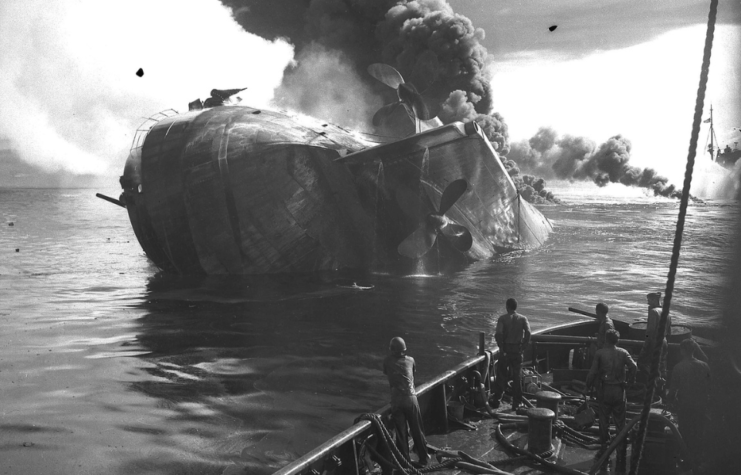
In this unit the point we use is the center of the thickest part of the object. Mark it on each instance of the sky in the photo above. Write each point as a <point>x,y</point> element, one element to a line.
<point>613,67</point>
<point>72,100</point>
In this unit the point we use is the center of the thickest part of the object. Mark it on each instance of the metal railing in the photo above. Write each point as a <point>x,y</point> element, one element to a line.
<point>146,126</point>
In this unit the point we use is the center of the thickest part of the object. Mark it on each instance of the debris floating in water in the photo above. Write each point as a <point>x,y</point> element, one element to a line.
<point>356,286</point>
<point>140,72</point>
<point>11,223</point>
<point>552,28</point>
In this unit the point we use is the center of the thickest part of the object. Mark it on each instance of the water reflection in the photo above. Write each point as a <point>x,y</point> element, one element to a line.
<point>259,370</point>
<point>106,369</point>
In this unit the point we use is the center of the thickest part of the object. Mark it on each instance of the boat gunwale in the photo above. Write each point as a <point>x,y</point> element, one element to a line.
<point>304,462</point>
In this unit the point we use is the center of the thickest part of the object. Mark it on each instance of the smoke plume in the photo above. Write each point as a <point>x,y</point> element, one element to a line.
<point>346,99</point>
<point>437,50</point>
<point>577,158</point>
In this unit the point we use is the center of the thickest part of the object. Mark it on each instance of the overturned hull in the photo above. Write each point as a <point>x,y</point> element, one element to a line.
<point>235,190</point>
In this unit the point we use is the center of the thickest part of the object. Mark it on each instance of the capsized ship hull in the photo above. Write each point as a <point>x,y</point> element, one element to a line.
<point>236,190</point>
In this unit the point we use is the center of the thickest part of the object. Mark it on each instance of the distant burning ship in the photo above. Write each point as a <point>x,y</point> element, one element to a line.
<point>727,157</point>
<point>231,189</point>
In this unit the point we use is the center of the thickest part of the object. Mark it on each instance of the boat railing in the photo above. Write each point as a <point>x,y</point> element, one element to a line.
<point>435,394</point>
<point>431,393</point>
<point>433,399</point>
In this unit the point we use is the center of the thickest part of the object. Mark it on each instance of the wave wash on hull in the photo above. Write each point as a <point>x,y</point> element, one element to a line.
<point>236,190</point>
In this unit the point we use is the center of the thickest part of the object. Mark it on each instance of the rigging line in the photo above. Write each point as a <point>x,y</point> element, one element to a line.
<point>655,357</point>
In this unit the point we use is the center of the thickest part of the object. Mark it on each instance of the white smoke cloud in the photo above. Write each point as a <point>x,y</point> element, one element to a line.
<point>71,98</point>
<point>323,83</point>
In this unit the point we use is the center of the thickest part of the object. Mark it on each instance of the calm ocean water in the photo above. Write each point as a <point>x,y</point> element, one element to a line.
<point>107,367</point>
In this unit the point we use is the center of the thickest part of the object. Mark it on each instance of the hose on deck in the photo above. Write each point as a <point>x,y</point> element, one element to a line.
<point>540,458</point>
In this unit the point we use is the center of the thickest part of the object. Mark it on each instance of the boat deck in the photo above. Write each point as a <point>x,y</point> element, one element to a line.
<point>482,444</point>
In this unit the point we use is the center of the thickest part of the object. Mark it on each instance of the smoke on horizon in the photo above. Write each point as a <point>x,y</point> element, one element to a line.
<point>580,159</point>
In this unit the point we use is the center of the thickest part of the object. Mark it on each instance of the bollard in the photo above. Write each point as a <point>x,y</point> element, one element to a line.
<point>539,425</point>
<point>548,400</point>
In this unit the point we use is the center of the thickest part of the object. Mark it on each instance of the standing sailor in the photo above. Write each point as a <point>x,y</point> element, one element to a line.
<point>690,385</point>
<point>512,336</point>
<point>608,373</point>
<point>604,323</point>
<point>399,369</point>
<point>652,327</point>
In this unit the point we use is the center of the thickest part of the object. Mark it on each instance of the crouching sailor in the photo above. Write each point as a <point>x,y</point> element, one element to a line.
<point>399,369</point>
<point>609,373</point>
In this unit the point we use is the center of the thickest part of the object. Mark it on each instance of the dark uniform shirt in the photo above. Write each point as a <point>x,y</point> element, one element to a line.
<point>691,378</point>
<point>513,332</point>
<point>400,372</point>
<point>609,366</point>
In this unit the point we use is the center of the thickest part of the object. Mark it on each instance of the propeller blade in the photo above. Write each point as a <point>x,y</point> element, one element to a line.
<point>384,113</point>
<point>409,95</point>
<point>411,203</point>
<point>451,194</point>
<point>458,236</point>
<point>418,243</point>
<point>386,74</point>
<point>421,111</point>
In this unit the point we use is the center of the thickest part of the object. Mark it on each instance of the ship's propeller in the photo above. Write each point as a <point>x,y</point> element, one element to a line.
<point>407,94</point>
<point>432,224</point>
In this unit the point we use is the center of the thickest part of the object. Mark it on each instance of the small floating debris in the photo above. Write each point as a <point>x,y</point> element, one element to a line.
<point>11,223</point>
<point>355,286</point>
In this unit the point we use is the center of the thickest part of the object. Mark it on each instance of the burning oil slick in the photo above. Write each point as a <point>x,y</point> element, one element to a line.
<point>580,159</point>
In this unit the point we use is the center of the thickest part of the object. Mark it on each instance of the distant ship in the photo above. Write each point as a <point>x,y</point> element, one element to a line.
<point>231,189</point>
<point>726,157</point>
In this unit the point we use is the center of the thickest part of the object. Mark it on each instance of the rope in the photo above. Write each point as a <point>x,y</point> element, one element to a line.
<point>399,461</point>
<point>651,387</point>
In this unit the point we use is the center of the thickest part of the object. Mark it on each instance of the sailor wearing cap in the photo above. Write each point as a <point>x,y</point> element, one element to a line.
<point>652,326</point>
<point>399,369</point>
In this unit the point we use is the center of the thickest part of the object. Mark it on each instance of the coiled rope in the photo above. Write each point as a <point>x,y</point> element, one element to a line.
<point>398,460</point>
<point>653,375</point>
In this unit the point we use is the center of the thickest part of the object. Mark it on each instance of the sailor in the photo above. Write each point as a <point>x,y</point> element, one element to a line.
<point>690,387</point>
<point>608,374</point>
<point>399,369</point>
<point>652,326</point>
<point>604,323</point>
<point>512,336</point>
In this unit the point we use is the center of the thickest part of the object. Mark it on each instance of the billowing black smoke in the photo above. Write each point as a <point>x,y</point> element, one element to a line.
<point>577,158</point>
<point>437,50</point>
